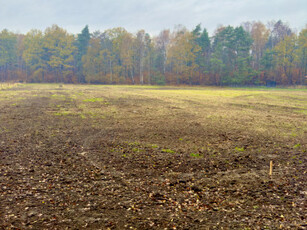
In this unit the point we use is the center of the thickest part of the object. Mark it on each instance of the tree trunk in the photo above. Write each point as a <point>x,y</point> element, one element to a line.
<point>110,64</point>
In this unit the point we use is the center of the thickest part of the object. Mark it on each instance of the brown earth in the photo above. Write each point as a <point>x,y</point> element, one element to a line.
<point>148,162</point>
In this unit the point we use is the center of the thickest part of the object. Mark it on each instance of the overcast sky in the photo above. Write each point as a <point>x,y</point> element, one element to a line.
<point>151,15</point>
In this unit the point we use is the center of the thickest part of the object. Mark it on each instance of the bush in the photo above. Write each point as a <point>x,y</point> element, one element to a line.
<point>158,79</point>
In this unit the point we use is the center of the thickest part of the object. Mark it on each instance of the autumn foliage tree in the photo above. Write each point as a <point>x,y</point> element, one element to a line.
<point>182,57</point>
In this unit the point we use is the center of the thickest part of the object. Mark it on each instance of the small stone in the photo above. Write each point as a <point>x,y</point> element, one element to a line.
<point>32,213</point>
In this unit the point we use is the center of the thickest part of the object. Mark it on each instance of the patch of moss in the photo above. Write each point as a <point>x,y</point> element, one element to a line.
<point>297,146</point>
<point>196,155</point>
<point>93,100</point>
<point>63,113</point>
<point>168,151</point>
<point>239,149</point>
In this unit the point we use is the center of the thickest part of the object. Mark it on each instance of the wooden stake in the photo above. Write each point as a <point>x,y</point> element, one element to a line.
<point>271,168</point>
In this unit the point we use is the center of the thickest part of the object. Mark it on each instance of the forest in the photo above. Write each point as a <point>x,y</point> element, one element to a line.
<point>253,54</point>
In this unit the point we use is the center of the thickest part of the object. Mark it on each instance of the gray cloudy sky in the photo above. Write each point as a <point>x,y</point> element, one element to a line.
<point>151,15</point>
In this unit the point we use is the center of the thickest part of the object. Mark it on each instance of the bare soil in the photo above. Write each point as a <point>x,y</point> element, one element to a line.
<point>149,161</point>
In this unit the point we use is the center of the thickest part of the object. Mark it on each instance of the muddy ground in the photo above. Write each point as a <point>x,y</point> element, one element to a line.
<point>150,159</point>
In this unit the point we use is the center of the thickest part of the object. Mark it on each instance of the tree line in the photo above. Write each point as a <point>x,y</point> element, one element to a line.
<point>250,54</point>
